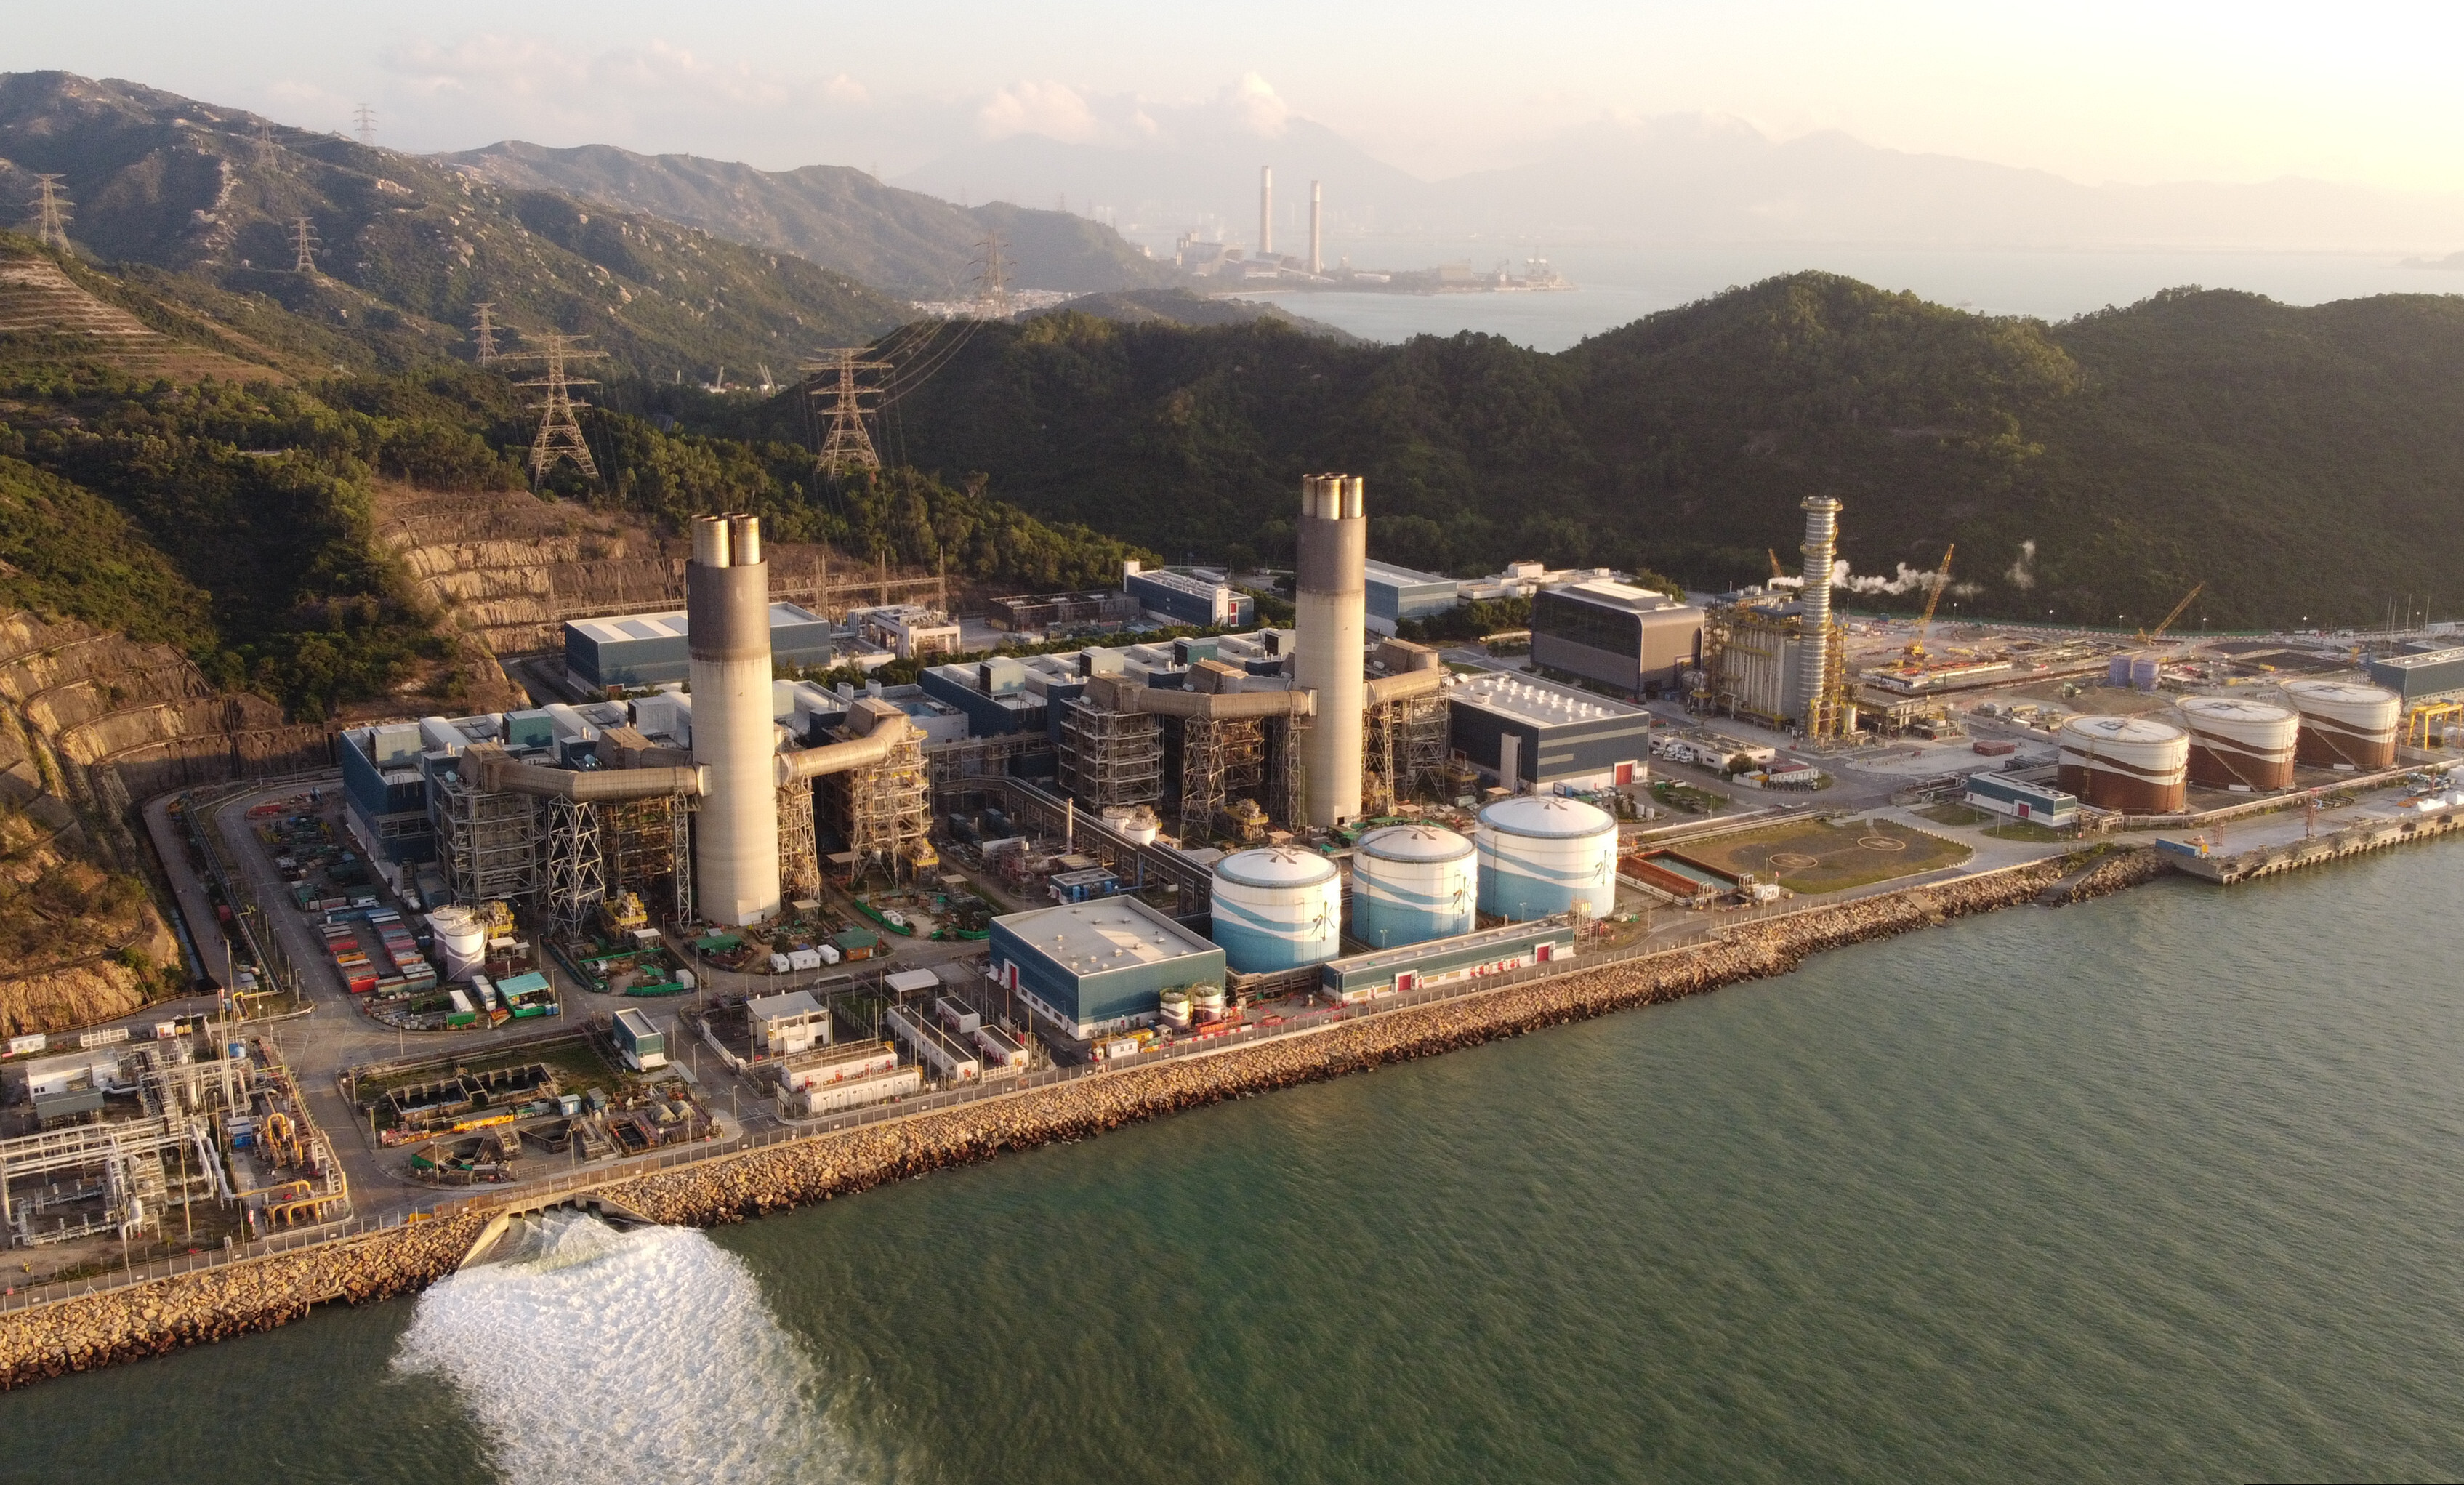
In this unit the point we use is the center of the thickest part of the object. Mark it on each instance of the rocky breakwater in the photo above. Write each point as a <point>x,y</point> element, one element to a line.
<point>785,1176</point>
<point>164,1316</point>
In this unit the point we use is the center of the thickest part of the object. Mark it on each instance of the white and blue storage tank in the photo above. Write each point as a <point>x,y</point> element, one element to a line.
<point>1277,909</point>
<point>1543,853</point>
<point>1411,883</point>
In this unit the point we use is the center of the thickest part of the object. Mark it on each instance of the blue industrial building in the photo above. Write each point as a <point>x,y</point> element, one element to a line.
<point>2038,803</point>
<point>993,693</point>
<point>650,648</point>
<point>1189,595</point>
<point>2421,676</point>
<point>1099,965</point>
<point>1526,731</point>
<point>1399,593</point>
<point>387,791</point>
<point>1444,961</point>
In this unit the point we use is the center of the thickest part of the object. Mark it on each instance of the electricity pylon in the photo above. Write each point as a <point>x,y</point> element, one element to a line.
<point>483,334</point>
<point>992,287</point>
<point>269,158</point>
<point>560,431</point>
<point>364,122</point>
<point>51,212</point>
<point>303,239</point>
<point>845,447</point>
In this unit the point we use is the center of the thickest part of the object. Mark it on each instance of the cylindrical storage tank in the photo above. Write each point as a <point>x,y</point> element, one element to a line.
<point>2130,763</point>
<point>2117,669</point>
<point>2145,670</point>
<point>1172,1007</point>
<point>1411,883</point>
<point>2344,723</point>
<point>1209,1004</point>
<point>461,942</point>
<point>1540,854</point>
<point>1277,909</point>
<point>2237,741</point>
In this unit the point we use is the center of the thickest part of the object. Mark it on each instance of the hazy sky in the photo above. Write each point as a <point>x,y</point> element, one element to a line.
<point>2091,89</point>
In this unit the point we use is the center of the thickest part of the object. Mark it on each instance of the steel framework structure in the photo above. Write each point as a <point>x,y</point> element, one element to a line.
<point>559,431</point>
<point>1219,757</point>
<point>488,841</point>
<point>1110,757</point>
<point>576,880</point>
<point>1405,744</point>
<point>799,861</point>
<point>879,811</point>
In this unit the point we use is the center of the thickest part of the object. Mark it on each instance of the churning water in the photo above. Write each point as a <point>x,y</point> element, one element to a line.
<point>2164,1186</point>
<point>590,1354</point>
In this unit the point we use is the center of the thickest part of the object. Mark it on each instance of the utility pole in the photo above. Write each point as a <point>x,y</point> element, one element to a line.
<point>845,446</point>
<point>364,122</point>
<point>303,241</point>
<point>483,334</point>
<point>51,212</point>
<point>560,431</point>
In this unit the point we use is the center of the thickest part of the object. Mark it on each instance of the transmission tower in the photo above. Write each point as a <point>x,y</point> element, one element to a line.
<point>483,334</point>
<point>51,212</point>
<point>303,239</point>
<point>269,155</point>
<point>992,287</point>
<point>560,431</point>
<point>837,381</point>
<point>364,121</point>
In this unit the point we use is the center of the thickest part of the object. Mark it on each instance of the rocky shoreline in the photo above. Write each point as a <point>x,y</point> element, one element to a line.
<point>150,1319</point>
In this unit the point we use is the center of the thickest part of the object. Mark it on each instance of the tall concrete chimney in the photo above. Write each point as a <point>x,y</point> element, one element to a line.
<point>1317,244</point>
<point>1330,593</point>
<point>1812,649</point>
<point>727,616</point>
<point>1265,210</point>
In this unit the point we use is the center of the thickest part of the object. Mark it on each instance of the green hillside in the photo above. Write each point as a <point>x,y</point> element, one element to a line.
<point>206,196</point>
<point>901,240</point>
<point>2301,462</point>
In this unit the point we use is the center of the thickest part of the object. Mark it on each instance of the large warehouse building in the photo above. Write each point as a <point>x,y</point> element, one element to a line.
<point>1638,641</point>
<point>650,648</point>
<point>2423,677</point>
<point>1399,593</point>
<point>1525,732</point>
<point>1099,965</point>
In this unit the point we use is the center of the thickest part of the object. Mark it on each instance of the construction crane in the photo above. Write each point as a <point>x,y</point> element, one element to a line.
<point>2149,638</point>
<point>1914,654</point>
<point>1773,554</point>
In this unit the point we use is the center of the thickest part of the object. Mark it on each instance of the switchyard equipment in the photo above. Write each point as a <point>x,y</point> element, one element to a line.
<point>1277,909</point>
<point>2135,764</point>
<point>1413,882</point>
<point>2344,724</point>
<point>2236,741</point>
<point>1542,855</point>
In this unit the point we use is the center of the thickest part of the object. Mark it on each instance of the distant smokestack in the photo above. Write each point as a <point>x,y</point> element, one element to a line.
<point>1265,210</point>
<point>1330,593</point>
<point>1317,245</point>
<point>727,618</point>
<point>1813,651</point>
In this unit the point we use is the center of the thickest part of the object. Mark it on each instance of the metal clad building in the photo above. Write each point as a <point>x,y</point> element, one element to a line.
<point>1202,601</point>
<point>1516,728</point>
<point>1399,593</point>
<point>1441,961</point>
<point>1616,634</point>
<point>1099,965</point>
<point>2417,678</point>
<point>648,649</point>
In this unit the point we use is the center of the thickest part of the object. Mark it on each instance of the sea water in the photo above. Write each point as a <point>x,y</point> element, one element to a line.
<point>2165,1186</point>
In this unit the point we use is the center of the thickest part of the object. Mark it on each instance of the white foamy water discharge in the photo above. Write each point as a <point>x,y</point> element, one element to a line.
<point>611,1357</point>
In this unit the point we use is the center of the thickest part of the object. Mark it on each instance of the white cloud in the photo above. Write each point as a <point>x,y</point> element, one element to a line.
<point>1257,108</point>
<point>1053,109</point>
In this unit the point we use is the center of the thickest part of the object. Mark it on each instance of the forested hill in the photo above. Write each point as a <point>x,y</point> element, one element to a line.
<point>2303,463</point>
<point>207,197</point>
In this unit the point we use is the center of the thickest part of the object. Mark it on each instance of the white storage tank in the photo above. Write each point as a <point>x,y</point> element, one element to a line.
<point>1411,883</point>
<point>2237,741</point>
<point>1540,854</point>
<point>2345,723</point>
<point>461,941</point>
<point>1276,909</point>
<point>2131,763</point>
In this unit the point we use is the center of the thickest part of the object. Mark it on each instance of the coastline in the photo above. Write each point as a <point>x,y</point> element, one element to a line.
<point>161,1316</point>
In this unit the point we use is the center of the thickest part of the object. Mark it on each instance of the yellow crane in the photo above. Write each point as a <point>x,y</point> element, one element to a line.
<point>2149,638</point>
<point>1915,653</point>
<point>1773,554</point>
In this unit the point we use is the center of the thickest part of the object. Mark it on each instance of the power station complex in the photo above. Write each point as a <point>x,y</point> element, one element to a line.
<point>725,799</point>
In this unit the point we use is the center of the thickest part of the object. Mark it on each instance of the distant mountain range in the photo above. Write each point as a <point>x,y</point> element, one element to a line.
<point>900,240</point>
<point>1691,180</point>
